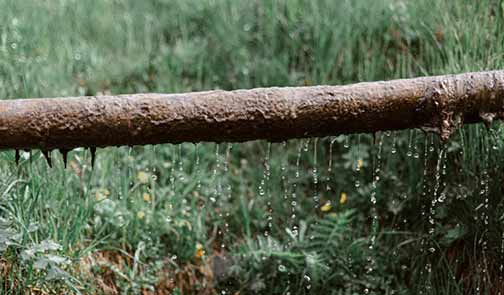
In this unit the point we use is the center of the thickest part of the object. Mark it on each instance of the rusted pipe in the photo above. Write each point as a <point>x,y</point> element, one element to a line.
<point>440,104</point>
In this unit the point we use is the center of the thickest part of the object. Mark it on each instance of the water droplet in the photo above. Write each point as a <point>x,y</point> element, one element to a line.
<point>315,174</point>
<point>64,153</point>
<point>17,157</point>
<point>394,144</point>
<point>93,156</point>
<point>282,268</point>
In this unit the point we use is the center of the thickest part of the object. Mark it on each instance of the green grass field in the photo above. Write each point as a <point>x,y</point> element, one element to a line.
<point>253,218</point>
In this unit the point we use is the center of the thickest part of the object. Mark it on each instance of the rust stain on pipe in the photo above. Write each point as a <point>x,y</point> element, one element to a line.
<point>439,103</point>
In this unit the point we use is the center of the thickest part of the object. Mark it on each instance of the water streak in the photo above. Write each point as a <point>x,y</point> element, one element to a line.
<point>371,262</point>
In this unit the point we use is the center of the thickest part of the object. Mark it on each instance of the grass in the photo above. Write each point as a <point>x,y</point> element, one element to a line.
<point>251,218</point>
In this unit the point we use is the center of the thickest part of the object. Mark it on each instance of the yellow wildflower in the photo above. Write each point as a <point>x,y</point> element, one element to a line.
<point>326,207</point>
<point>101,194</point>
<point>143,177</point>
<point>200,251</point>
<point>141,215</point>
<point>343,198</point>
<point>147,197</point>
<point>360,163</point>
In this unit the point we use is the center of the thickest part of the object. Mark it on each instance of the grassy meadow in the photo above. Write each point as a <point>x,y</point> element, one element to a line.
<point>397,213</point>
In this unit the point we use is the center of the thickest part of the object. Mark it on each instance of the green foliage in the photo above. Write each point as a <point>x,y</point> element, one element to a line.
<point>162,217</point>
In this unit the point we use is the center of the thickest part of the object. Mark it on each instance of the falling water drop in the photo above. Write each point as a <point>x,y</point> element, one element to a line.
<point>425,187</point>
<point>409,153</point>
<point>347,142</point>
<point>442,195</point>
<point>308,281</point>
<point>329,165</point>
<point>429,245</point>
<point>227,162</point>
<point>283,168</point>
<point>228,193</point>
<point>171,176</point>
<point>306,145</point>
<point>282,268</point>
<point>431,144</point>
<point>216,179</point>
<point>265,183</point>
<point>294,190</point>
<point>197,166</point>
<point>394,143</point>
<point>358,162</point>
<point>485,194</point>
<point>180,163</point>
<point>316,197</point>
<point>416,154</point>
<point>374,209</point>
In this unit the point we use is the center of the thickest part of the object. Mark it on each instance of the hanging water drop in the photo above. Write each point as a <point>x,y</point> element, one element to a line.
<point>93,156</point>
<point>409,153</point>
<point>17,156</point>
<point>64,154</point>
<point>394,143</point>
<point>180,163</point>
<point>306,145</point>
<point>347,142</point>
<point>197,167</point>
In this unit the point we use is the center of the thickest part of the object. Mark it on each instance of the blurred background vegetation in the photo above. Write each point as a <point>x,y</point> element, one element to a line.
<point>394,213</point>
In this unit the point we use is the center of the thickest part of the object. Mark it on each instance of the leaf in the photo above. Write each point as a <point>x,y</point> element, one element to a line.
<point>453,235</point>
<point>257,284</point>
<point>28,254</point>
<point>48,245</point>
<point>33,227</point>
<point>8,234</point>
<point>41,263</point>
<point>58,260</point>
<point>50,260</point>
<point>56,273</point>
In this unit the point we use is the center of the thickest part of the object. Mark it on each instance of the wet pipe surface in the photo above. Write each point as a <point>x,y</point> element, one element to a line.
<point>439,104</point>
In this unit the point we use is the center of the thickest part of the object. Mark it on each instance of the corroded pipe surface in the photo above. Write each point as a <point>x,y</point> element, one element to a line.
<point>440,104</point>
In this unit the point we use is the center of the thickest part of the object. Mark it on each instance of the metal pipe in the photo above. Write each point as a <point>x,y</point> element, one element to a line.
<point>439,103</point>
